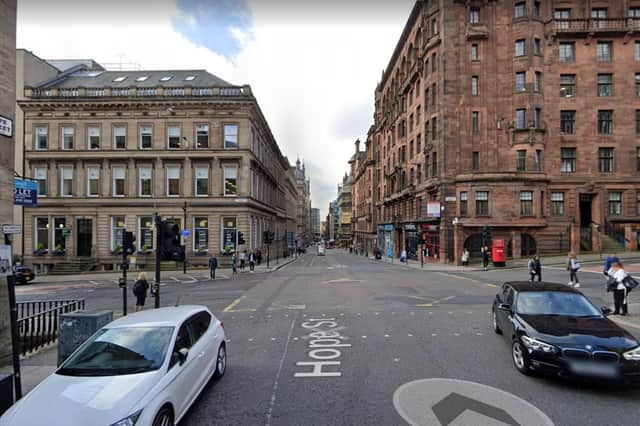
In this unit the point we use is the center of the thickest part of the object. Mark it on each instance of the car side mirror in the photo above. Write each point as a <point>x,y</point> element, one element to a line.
<point>605,310</point>
<point>182,355</point>
<point>505,307</point>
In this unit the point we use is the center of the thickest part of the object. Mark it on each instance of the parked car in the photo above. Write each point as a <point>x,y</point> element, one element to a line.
<point>321,250</point>
<point>553,328</point>
<point>142,369</point>
<point>23,274</point>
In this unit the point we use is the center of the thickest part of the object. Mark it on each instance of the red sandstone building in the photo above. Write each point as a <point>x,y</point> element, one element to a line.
<point>523,116</point>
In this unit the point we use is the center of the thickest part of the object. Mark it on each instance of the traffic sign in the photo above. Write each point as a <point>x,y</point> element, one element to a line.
<point>12,229</point>
<point>185,233</point>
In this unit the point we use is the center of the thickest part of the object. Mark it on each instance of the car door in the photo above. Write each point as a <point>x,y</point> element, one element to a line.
<point>509,300</point>
<point>204,349</point>
<point>186,373</point>
<point>502,314</point>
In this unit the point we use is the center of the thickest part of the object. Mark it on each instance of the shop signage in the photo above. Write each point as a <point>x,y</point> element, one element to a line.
<point>450,199</point>
<point>11,229</point>
<point>66,233</point>
<point>5,260</point>
<point>410,227</point>
<point>25,192</point>
<point>433,209</point>
<point>388,227</point>
<point>6,126</point>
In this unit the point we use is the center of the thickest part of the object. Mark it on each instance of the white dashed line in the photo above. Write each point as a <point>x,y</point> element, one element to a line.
<point>251,339</point>
<point>273,338</point>
<point>364,337</point>
<point>386,335</point>
<point>456,334</point>
<point>410,335</point>
<point>433,334</point>
<point>396,359</point>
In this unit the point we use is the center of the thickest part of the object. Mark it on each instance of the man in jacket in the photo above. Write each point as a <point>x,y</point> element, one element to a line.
<point>213,265</point>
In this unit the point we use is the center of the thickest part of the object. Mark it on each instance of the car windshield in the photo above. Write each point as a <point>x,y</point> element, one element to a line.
<point>118,351</point>
<point>555,303</point>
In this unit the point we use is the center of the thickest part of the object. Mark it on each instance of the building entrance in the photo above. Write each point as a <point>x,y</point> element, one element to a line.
<point>84,237</point>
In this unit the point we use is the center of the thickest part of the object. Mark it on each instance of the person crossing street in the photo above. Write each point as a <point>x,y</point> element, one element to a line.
<point>213,265</point>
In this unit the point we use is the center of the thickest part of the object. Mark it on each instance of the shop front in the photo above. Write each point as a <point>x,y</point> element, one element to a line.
<point>385,241</point>
<point>431,237</point>
<point>411,242</point>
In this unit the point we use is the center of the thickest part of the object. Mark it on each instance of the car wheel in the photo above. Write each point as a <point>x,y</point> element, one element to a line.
<point>520,358</point>
<point>494,322</point>
<point>221,362</point>
<point>164,417</point>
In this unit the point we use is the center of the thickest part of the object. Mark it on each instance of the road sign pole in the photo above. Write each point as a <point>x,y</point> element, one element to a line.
<point>15,343</point>
<point>184,247</point>
<point>158,242</point>
<point>124,267</point>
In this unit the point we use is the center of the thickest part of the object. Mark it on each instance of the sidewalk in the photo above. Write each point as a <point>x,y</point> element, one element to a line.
<point>35,368</point>
<point>631,320</point>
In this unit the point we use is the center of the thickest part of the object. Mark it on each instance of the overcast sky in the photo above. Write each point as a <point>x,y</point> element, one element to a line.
<point>313,65</point>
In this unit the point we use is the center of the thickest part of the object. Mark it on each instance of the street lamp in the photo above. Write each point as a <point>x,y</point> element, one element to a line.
<point>184,246</point>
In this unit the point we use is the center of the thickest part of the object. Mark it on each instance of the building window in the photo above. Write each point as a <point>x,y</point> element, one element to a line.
<point>637,203</point>
<point>537,160</point>
<point>521,118</point>
<point>418,144</point>
<point>567,52</point>
<point>230,136</point>
<point>557,203</point>
<point>568,160</point>
<point>520,10</point>
<point>537,118</point>
<point>474,86</point>
<point>434,128</point>
<point>41,241</point>
<point>604,51</point>
<point>118,175</point>
<point>40,175</point>
<point>637,51</point>
<point>605,160</point>
<point>66,181</point>
<point>93,181</point>
<point>634,12</point>
<point>228,234</point>
<point>201,234</point>
<point>117,233</point>
<point>474,15</point>
<point>173,137</point>
<point>145,243</point>
<point>434,94</point>
<point>536,8</point>
<point>637,84</point>
<point>93,137</point>
<point>597,14</point>
<point>615,203</point>
<point>561,15</point>
<point>119,137</point>
<point>537,46</point>
<point>67,137</point>
<point>230,180</point>
<point>520,81</point>
<point>475,160</point>
<point>173,181</point>
<point>463,204</point>
<point>202,136</point>
<point>526,203</point>
<point>59,240</point>
<point>537,83</point>
<point>519,49</point>
<point>482,203</point>
<point>605,84</point>
<point>202,181</point>
<point>144,181</point>
<point>42,137</point>
<point>638,159</point>
<point>474,52</point>
<point>475,121</point>
<point>146,134</point>
<point>521,160</point>
<point>567,85</point>
<point>567,122</point>
<point>434,164</point>
<point>605,122</point>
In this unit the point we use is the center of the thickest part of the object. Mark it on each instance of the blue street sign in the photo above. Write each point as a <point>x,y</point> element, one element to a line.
<point>25,192</point>
<point>185,233</point>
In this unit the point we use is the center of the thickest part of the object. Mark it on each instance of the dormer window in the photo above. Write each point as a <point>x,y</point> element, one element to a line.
<point>142,78</point>
<point>166,78</point>
<point>190,78</point>
<point>120,79</point>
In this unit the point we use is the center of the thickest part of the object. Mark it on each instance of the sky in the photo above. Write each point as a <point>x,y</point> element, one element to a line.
<point>313,65</point>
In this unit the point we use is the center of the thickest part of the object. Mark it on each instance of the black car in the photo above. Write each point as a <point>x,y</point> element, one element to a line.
<point>553,328</point>
<point>23,274</point>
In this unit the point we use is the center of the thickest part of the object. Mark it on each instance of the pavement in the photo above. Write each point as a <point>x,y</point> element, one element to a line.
<point>394,337</point>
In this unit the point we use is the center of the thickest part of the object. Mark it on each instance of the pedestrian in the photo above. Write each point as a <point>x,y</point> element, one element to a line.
<point>535,268</point>
<point>252,261</point>
<point>234,264</point>
<point>243,259</point>
<point>616,283</point>
<point>485,258</point>
<point>140,289</point>
<point>573,264</point>
<point>465,257</point>
<point>611,259</point>
<point>403,256</point>
<point>213,265</point>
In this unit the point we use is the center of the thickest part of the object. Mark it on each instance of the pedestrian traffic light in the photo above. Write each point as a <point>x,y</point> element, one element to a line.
<point>241,238</point>
<point>129,243</point>
<point>486,235</point>
<point>170,248</point>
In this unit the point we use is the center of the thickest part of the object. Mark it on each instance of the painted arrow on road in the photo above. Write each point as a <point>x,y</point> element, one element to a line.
<point>454,404</point>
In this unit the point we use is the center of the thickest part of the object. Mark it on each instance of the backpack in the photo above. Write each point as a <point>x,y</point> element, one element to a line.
<point>138,288</point>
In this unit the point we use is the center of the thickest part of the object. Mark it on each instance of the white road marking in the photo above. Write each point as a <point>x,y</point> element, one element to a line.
<point>434,334</point>
<point>272,403</point>
<point>251,339</point>
<point>364,337</point>
<point>396,359</point>
<point>94,283</point>
<point>456,334</point>
<point>410,335</point>
<point>386,335</point>
<point>273,338</point>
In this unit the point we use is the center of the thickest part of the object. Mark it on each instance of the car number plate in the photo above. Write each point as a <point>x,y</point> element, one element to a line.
<point>591,369</point>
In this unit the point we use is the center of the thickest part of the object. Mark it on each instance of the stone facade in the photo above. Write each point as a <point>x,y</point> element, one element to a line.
<point>110,149</point>
<point>362,170</point>
<point>345,211</point>
<point>304,233</point>
<point>477,122</point>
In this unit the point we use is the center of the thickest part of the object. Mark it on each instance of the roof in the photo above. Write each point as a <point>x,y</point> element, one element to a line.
<point>144,79</point>
<point>65,64</point>
<point>170,316</point>
<point>541,286</point>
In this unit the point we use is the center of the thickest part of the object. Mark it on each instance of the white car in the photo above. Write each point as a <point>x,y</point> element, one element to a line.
<point>142,369</point>
<point>321,251</point>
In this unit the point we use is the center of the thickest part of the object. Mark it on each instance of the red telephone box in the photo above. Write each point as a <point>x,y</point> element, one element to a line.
<point>498,255</point>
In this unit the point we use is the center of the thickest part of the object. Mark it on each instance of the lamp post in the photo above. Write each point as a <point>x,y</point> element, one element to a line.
<point>184,246</point>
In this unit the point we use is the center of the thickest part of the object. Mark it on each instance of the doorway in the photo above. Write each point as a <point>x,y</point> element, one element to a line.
<point>585,221</point>
<point>84,237</point>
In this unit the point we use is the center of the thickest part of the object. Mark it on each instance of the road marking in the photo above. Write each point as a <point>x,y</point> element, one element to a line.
<point>323,349</point>
<point>235,303</point>
<point>342,281</point>
<point>491,285</point>
<point>272,403</point>
<point>94,283</point>
<point>625,323</point>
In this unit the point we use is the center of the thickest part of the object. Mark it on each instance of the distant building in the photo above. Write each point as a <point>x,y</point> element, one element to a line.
<point>363,224</point>
<point>345,233</point>
<point>315,223</point>
<point>304,233</point>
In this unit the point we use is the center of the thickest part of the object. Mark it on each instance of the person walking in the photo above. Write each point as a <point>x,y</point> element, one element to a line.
<point>243,259</point>
<point>535,268</point>
<point>252,261</point>
<point>234,264</point>
<point>609,261</point>
<point>573,264</point>
<point>140,289</point>
<point>485,258</point>
<point>617,276</point>
<point>213,265</point>
<point>465,257</point>
<point>403,256</point>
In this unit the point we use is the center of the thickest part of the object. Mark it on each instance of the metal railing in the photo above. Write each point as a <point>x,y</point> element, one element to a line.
<point>38,321</point>
<point>596,24</point>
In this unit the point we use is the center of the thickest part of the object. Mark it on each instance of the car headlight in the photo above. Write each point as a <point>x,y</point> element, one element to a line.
<point>537,345</point>
<point>128,421</point>
<point>632,355</point>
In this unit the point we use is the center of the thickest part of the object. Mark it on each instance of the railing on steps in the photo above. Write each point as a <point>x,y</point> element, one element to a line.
<point>38,321</point>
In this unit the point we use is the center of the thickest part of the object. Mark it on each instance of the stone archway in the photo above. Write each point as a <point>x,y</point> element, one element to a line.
<point>528,245</point>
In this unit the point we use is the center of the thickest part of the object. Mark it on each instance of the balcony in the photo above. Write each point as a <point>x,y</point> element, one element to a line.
<point>595,25</point>
<point>477,31</point>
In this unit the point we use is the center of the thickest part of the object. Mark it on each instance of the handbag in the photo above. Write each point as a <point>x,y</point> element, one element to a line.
<point>612,283</point>
<point>630,283</point>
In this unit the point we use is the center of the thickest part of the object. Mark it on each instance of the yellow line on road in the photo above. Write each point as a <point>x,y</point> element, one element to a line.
<point>468,279</point>
<point>233,305</point>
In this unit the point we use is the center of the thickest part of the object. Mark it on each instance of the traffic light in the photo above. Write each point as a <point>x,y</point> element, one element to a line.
<point>129,242</point>
<point>241,238</point>
<point>486,235</point>
<point>170,248</point>
<point>267,237</point>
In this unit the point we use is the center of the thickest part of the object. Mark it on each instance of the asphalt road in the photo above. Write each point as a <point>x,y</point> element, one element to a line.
<point>383,326</point>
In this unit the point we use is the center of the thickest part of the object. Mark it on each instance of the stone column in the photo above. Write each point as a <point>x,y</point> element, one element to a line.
<point>630,237</point>
<point>159,179</point>
<point>458,242</point>
<point>516,244</point>
<point>575,238</point>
